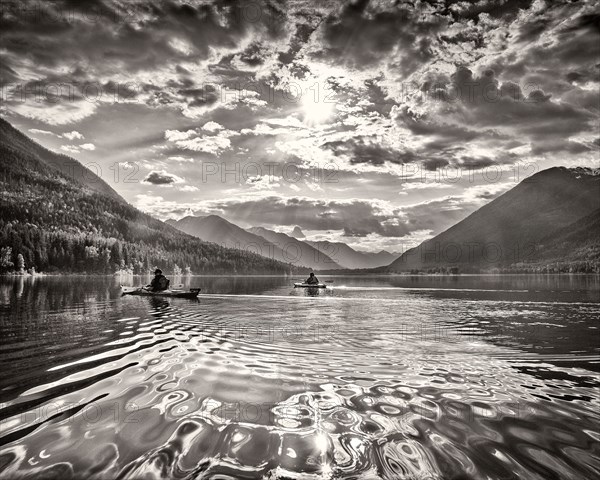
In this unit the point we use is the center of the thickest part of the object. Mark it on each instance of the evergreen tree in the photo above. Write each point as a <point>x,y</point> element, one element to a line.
<point>20,264</point>
<point>6,263</point>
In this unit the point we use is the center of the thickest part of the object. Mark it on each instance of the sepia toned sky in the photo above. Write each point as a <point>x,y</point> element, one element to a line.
<point>376,123</point>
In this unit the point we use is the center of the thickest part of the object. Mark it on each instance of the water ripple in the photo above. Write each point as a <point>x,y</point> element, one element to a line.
<point>395,383</point>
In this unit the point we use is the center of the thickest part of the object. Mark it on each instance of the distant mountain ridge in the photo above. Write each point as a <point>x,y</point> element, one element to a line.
<point>298,233</point>
<point>303,252</point>
<point>319,255</point>
<point>347,257</point>
<point>215,229</point>
<point>517,228</point>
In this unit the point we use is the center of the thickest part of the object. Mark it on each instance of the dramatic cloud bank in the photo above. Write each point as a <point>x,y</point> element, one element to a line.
<point>364,121</point>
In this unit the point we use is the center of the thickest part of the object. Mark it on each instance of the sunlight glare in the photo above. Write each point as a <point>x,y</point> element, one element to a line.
<point>315,109</point>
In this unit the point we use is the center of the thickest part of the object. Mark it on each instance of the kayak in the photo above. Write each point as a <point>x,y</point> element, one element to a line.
<point>309,285</point>
<point>191,293</point>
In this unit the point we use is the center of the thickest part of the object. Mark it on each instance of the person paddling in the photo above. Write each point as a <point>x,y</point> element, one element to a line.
<point>159,283</point>
<point>312,280</point>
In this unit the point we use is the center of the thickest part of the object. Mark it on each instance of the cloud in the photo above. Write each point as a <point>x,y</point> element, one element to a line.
<point>362,35</point>
<point>489,103</point>
<point>36,131</point>
<point>197,58</point>
<point>264,182</point>
<point>70,148</point>
<point>162,178</point>
<point>114,53</point>
<point>355,217</point>
<point>59,113</point>
<point>467,113</point>
<point>74,135</point>
<point>212,127</point>
<point>177,136</point>
<point>368,150</point>
<point>76,148</point>
<point>197,142</point>
<point>425,185</point>
<point>180,159</point>
<point>188,188</point>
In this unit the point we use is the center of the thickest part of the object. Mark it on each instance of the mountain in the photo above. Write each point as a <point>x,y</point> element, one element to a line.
<point>213,228</point>
<point>576,246</point>
<point>520,227</point>
<point>15,142</point>
<point>347,257</point>
<point>382,258</point>
<point>302,252</point>
<point>297,233</point>
<point>282,247</point>
<point>63,223</point>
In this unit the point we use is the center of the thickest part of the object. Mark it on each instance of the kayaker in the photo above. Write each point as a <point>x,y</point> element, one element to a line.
<point>159,283</point>
<point>312,280</point>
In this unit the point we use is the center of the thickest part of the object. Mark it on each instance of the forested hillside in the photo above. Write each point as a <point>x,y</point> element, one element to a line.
<point>40,161</point>
<point>548,222</point>
<point>54,223</point>
<point>574,248</point>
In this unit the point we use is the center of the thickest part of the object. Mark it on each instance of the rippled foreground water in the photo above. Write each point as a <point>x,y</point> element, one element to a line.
<point>396,378</point>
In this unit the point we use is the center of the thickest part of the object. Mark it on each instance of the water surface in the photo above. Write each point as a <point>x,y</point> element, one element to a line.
<point>380,377</point>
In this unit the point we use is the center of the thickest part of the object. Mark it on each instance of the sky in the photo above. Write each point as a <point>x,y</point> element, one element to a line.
<point>375,123</point>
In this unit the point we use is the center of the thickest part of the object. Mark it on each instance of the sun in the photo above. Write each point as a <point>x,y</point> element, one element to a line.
<point>316,109</point>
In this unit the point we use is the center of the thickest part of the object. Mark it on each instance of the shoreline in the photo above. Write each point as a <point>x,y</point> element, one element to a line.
<point>383,275</point>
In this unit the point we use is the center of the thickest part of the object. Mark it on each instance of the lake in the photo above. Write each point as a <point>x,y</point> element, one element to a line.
<point>374,377</point>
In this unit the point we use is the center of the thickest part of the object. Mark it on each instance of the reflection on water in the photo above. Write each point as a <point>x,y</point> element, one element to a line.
<point>390,377</point>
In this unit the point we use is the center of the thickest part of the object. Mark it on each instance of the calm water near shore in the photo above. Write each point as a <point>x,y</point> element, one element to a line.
<point>375,377</point>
